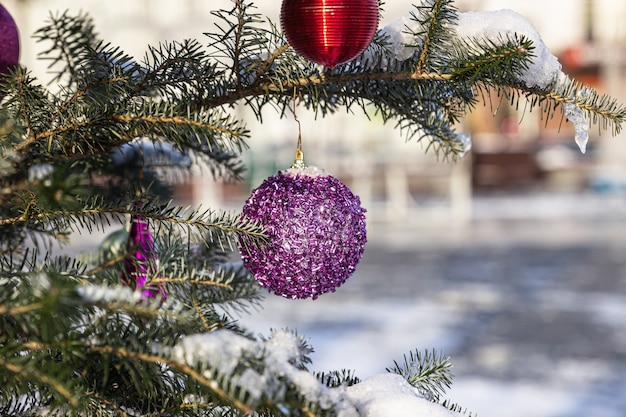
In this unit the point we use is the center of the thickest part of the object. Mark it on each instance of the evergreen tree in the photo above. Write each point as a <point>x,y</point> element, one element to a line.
<point>87,337</point>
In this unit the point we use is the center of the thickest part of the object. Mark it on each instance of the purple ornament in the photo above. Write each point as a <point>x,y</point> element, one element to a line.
<point>316,229</point>
<point>9,42</point>
<point>142,255</point>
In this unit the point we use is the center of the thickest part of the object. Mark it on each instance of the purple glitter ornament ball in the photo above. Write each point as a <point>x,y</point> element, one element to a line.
<point>142,255</point>
<point>316,229</point>
<point>9,42</point>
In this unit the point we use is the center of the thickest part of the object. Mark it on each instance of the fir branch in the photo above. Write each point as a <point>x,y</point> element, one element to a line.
<point>95,212</point>
<point>456,408</point>
<point>22,372</point>
<point>21,309</point>
<point>429,373</point>
<point>128,355</point>
<point>109,263</point>
<point>434,15</point>
<point>70,36</point>
<point>201,313</point>
<point>78,321</point>
<point>119,410</point>
<point>208,382</point>
<point>237,41</point>
<point>226,286</point>
<point>493,62</point>
<point>335,379</point>
<point>224,223</point>
<point>152,309</point>
<point>180,280</point>
<point>171,68</point>
<point>260,69</point>
<point>286,86</point>
<point>240,39</point>
<point>80,93</point>
<point>595,105</point>
<point>32,104</point>
<point>206,132</point>
<point>173,123</point>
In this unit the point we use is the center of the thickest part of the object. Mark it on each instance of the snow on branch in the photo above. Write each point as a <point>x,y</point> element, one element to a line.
<point>542,74</point>
<point>281,356</point>
<point>503,24</point>
<point>544,69</point>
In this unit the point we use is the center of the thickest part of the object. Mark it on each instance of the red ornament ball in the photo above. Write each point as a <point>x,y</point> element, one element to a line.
<point>9,42</point>
<point>329,32</point>
<point>316,229</point>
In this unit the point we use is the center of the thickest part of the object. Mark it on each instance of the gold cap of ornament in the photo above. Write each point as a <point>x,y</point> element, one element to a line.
<point>298,162</point>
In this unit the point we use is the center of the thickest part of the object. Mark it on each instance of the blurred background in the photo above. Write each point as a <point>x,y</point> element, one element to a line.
<point>510,261</point>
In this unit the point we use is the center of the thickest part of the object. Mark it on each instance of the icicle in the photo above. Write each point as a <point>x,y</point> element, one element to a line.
<point>576,115</point>
<point>466,142</point>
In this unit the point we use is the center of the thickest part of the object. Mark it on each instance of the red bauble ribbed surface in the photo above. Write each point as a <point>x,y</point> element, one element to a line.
<point>329,32</point>
<point>9,42</point>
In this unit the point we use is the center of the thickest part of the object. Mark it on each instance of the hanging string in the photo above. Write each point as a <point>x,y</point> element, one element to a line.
<point>299,160</point>
<point>139,190</point>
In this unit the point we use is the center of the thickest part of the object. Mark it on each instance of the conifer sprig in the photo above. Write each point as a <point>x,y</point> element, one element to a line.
<point>70,36</point>
<point>429,372</point>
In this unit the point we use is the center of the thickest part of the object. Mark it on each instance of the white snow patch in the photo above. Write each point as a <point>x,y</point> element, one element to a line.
<point>39,172</point>
<point>283,350</point>
<point>387,395</point>
<point>221,349</point>
<point>99,293</point>
<point>466,142</point>
<point>493,25</point>
<point>41,284</point>
<point>497,25</point>
<point>401,37</point>
<point>253,383</point>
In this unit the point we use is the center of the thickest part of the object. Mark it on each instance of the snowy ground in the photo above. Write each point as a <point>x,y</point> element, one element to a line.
<point>529,300</point>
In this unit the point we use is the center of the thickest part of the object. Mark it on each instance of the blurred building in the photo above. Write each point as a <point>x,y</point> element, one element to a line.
<point>513,150</point>
<point>589,39</point>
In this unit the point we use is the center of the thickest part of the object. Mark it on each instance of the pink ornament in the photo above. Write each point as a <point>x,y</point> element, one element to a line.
<point>316,228</point>
<point>9,42</point>
<point>142,256</point>
<point>329,32</point>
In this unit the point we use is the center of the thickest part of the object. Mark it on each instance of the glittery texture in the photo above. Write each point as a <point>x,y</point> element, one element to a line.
<point>9,42</point>
<point>316,230</point>
<point>137,263</point>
